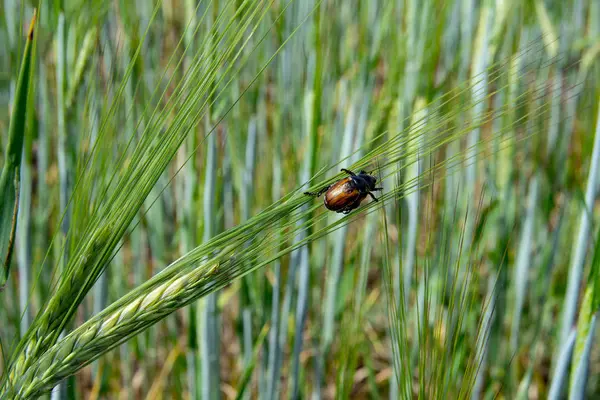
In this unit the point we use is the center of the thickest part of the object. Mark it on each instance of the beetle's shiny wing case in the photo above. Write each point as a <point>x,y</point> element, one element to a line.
<point>341,194</point>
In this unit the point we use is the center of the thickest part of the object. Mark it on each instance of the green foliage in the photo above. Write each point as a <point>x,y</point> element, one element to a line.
<point>10,178</point>
<point>171,145</point>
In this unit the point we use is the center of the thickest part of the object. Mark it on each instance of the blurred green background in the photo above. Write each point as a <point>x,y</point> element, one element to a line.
<point>474,277</point>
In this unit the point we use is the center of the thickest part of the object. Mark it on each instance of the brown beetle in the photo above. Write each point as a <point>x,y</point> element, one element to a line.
<point>346,194</point>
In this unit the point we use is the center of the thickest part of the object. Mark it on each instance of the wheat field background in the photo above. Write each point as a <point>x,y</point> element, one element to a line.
<point>156,242</point>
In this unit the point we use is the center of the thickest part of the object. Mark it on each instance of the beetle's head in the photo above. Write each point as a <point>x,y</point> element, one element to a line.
<point>370,179</point>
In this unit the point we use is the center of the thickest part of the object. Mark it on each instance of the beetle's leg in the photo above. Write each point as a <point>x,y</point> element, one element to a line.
<point>326,188</point>
<point>348,209</point>
<point>373,197</point>
<point>319,193</point>
<point>376,189</point>
<point>345,210</point>
<point>348,172</point>
<point>353,206</point>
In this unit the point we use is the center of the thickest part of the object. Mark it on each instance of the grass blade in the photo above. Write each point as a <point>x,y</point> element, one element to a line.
<point>581,372</point>
<point>10,178</point>
<point>560,375</point>
<point>581,244</point>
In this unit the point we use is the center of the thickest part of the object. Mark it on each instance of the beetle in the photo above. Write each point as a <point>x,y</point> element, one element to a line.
<point>346,194</point>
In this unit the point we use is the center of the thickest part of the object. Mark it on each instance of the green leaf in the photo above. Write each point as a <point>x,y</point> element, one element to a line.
<point>585,325</point>
<point>247,374</point>
<point>549,31</point>
<point>594,279</point>
<point>9,181</point>
<point>581,363</point>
